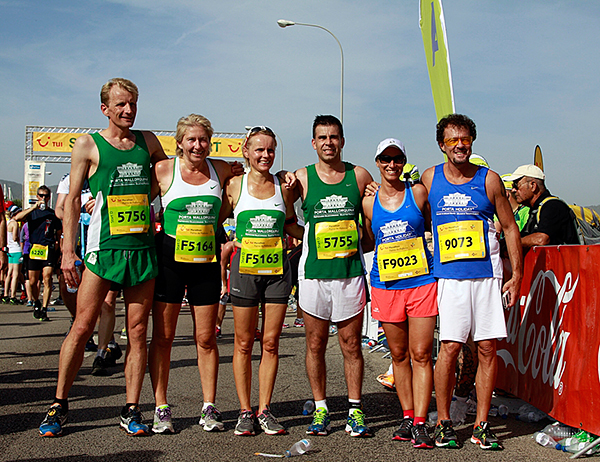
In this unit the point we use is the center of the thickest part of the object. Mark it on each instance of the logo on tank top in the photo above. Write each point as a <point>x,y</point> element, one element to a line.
<point>129,174</point>
<point>199,208</point>
<point>396,229</point>
<point>262,222</point>
<point>456,203</point>
<point>130,170</point>
<point>334,205</point>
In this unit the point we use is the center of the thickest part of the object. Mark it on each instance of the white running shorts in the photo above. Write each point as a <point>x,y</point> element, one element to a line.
<point>334,300</point>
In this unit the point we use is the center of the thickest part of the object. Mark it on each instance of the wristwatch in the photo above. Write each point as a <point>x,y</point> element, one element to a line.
<point>4,249</point>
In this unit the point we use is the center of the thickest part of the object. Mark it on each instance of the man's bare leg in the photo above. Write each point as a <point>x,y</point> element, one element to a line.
<point>349,335</point>
<point>90,296</point>
<point>317,336</point>
<point>444,377</point>
<point>138,302</point>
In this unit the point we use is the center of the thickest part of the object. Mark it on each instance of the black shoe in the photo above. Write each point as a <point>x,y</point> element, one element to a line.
<point>444,435</point>
<point>43,315</point>
<point>91,345</point>
<point>37,310</point>
<point>404,432</point>
<point>112,354</point>
<point>99,367</point>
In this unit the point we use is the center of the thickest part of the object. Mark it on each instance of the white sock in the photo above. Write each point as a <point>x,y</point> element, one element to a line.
<point>321,403</point>
<point>207,404</point>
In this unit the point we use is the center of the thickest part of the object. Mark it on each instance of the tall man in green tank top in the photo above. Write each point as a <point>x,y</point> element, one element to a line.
<point>120,249</point>
<point>331,272</point>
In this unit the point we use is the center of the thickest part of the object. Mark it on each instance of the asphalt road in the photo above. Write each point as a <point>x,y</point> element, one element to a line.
<point>28,370</point>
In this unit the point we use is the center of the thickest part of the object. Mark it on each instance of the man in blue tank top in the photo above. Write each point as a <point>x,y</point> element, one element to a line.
<point>464,198</point>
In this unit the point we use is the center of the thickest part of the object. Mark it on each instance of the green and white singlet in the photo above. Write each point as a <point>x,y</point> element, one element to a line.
<point>190,214</point>
<point>331,247</point>
<point>259,228</point>
<point>121,186</point>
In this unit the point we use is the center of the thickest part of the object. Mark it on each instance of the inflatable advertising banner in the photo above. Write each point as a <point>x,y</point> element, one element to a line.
<point>551,357</point>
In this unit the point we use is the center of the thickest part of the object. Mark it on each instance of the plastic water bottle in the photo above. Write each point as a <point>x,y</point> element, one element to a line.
<point>558,431</point>
<point>309,407</point>
<point>298,448</point>
<point>578,446</point>
<point>545,440</point>
<point>529,413</point>
<point>70,289</point>
<point>503,411</point>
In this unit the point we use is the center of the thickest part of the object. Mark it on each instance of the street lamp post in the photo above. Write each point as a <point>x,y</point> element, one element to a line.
<point>285,23</point>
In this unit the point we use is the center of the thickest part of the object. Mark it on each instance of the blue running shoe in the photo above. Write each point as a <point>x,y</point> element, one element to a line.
<point>54,421</point>
<point>132,422</point>
<point>355,425</point>
<point>321,424</point>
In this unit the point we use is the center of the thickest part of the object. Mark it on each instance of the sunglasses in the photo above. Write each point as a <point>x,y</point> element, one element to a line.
<point>466,140</point>
<point>515,184</point>
<point>257,129</point>
<point>386,159</point>
<point>43,195</point>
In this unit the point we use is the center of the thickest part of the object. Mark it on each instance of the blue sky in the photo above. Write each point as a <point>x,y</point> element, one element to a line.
<point>525,71</point>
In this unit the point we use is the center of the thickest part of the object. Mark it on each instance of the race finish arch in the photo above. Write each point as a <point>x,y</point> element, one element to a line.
<point>54,145</point>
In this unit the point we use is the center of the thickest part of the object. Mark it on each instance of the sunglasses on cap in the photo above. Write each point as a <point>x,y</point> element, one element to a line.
<point>256,129</point>
<point>386,159</point>
<point>466,140</point>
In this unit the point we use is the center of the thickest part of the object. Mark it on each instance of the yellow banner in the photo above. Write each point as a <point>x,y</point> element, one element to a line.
<point>63,142</point>
<point>433,28</point>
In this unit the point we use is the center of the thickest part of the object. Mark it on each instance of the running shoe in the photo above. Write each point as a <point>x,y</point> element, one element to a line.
<point>444,435</point>
<point>14,301</point>
<point>420,437</point>
<point>132,422</point>
<point>211,419</point>
<point>355,425</point>
<point>57,301</point>
<point>54,421</point>
<point>269,424</point>
<point>285,325</point>
<point>91,345</point>
<point>29,304</point>
<point>5,300</point>
<point>124,333</point>
<point>321,425</point>
<point>219,333</point>
<point>245,424</point>
<point>37,310</point>
<point>113,352</point>
<point>299,322</point>
<point>99,367</point>
<point>387,380</point>
<point>404,432</point>
<point>484,437</point>
<point>44,315</point>
<point>333,329</point>
<point>162,420</point>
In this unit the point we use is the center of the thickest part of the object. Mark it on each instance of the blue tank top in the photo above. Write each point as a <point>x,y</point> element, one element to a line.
<point>456,203</point>
<point>406,222</point>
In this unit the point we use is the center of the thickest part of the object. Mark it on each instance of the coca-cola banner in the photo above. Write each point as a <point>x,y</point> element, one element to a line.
<point>551,357</point>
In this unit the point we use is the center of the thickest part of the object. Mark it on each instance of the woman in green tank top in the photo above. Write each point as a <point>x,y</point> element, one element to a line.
<point>260,273</point>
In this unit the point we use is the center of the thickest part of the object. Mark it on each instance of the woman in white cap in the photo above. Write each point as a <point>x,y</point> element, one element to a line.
<point>15,257</point>
<point>403,296</point>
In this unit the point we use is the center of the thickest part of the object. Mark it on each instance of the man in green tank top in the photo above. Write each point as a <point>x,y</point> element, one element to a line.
<point>120,246</point>
<point>331,272</point>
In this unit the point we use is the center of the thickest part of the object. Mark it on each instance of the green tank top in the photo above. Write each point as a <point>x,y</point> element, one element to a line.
<point>331,212</point>
<point>121,187</point>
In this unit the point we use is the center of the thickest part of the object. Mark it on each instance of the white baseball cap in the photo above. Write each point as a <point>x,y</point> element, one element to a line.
<point>529,170</point>
<point>387,143</point>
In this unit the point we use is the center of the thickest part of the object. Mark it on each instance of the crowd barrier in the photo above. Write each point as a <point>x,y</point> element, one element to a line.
<point>551,357</point>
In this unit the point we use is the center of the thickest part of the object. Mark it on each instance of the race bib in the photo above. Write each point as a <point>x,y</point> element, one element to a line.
<point>461,240</point>
<point>128,214</point>
<point>336,239</point>
<point>402,259</point>
<point>195,244</point>
<point>38,252</point>
<point>262,256</point>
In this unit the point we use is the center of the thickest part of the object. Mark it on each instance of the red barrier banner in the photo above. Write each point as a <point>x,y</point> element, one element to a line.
<point>551,357</point>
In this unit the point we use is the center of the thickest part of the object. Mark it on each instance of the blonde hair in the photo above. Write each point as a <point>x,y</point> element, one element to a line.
<point>125,84</point>
<point>193,120</point>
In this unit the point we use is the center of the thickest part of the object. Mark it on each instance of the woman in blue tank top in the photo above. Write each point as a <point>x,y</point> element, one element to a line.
<point>403,296</point>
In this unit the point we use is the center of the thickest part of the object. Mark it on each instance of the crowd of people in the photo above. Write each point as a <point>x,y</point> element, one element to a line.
<point>109,244</point>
